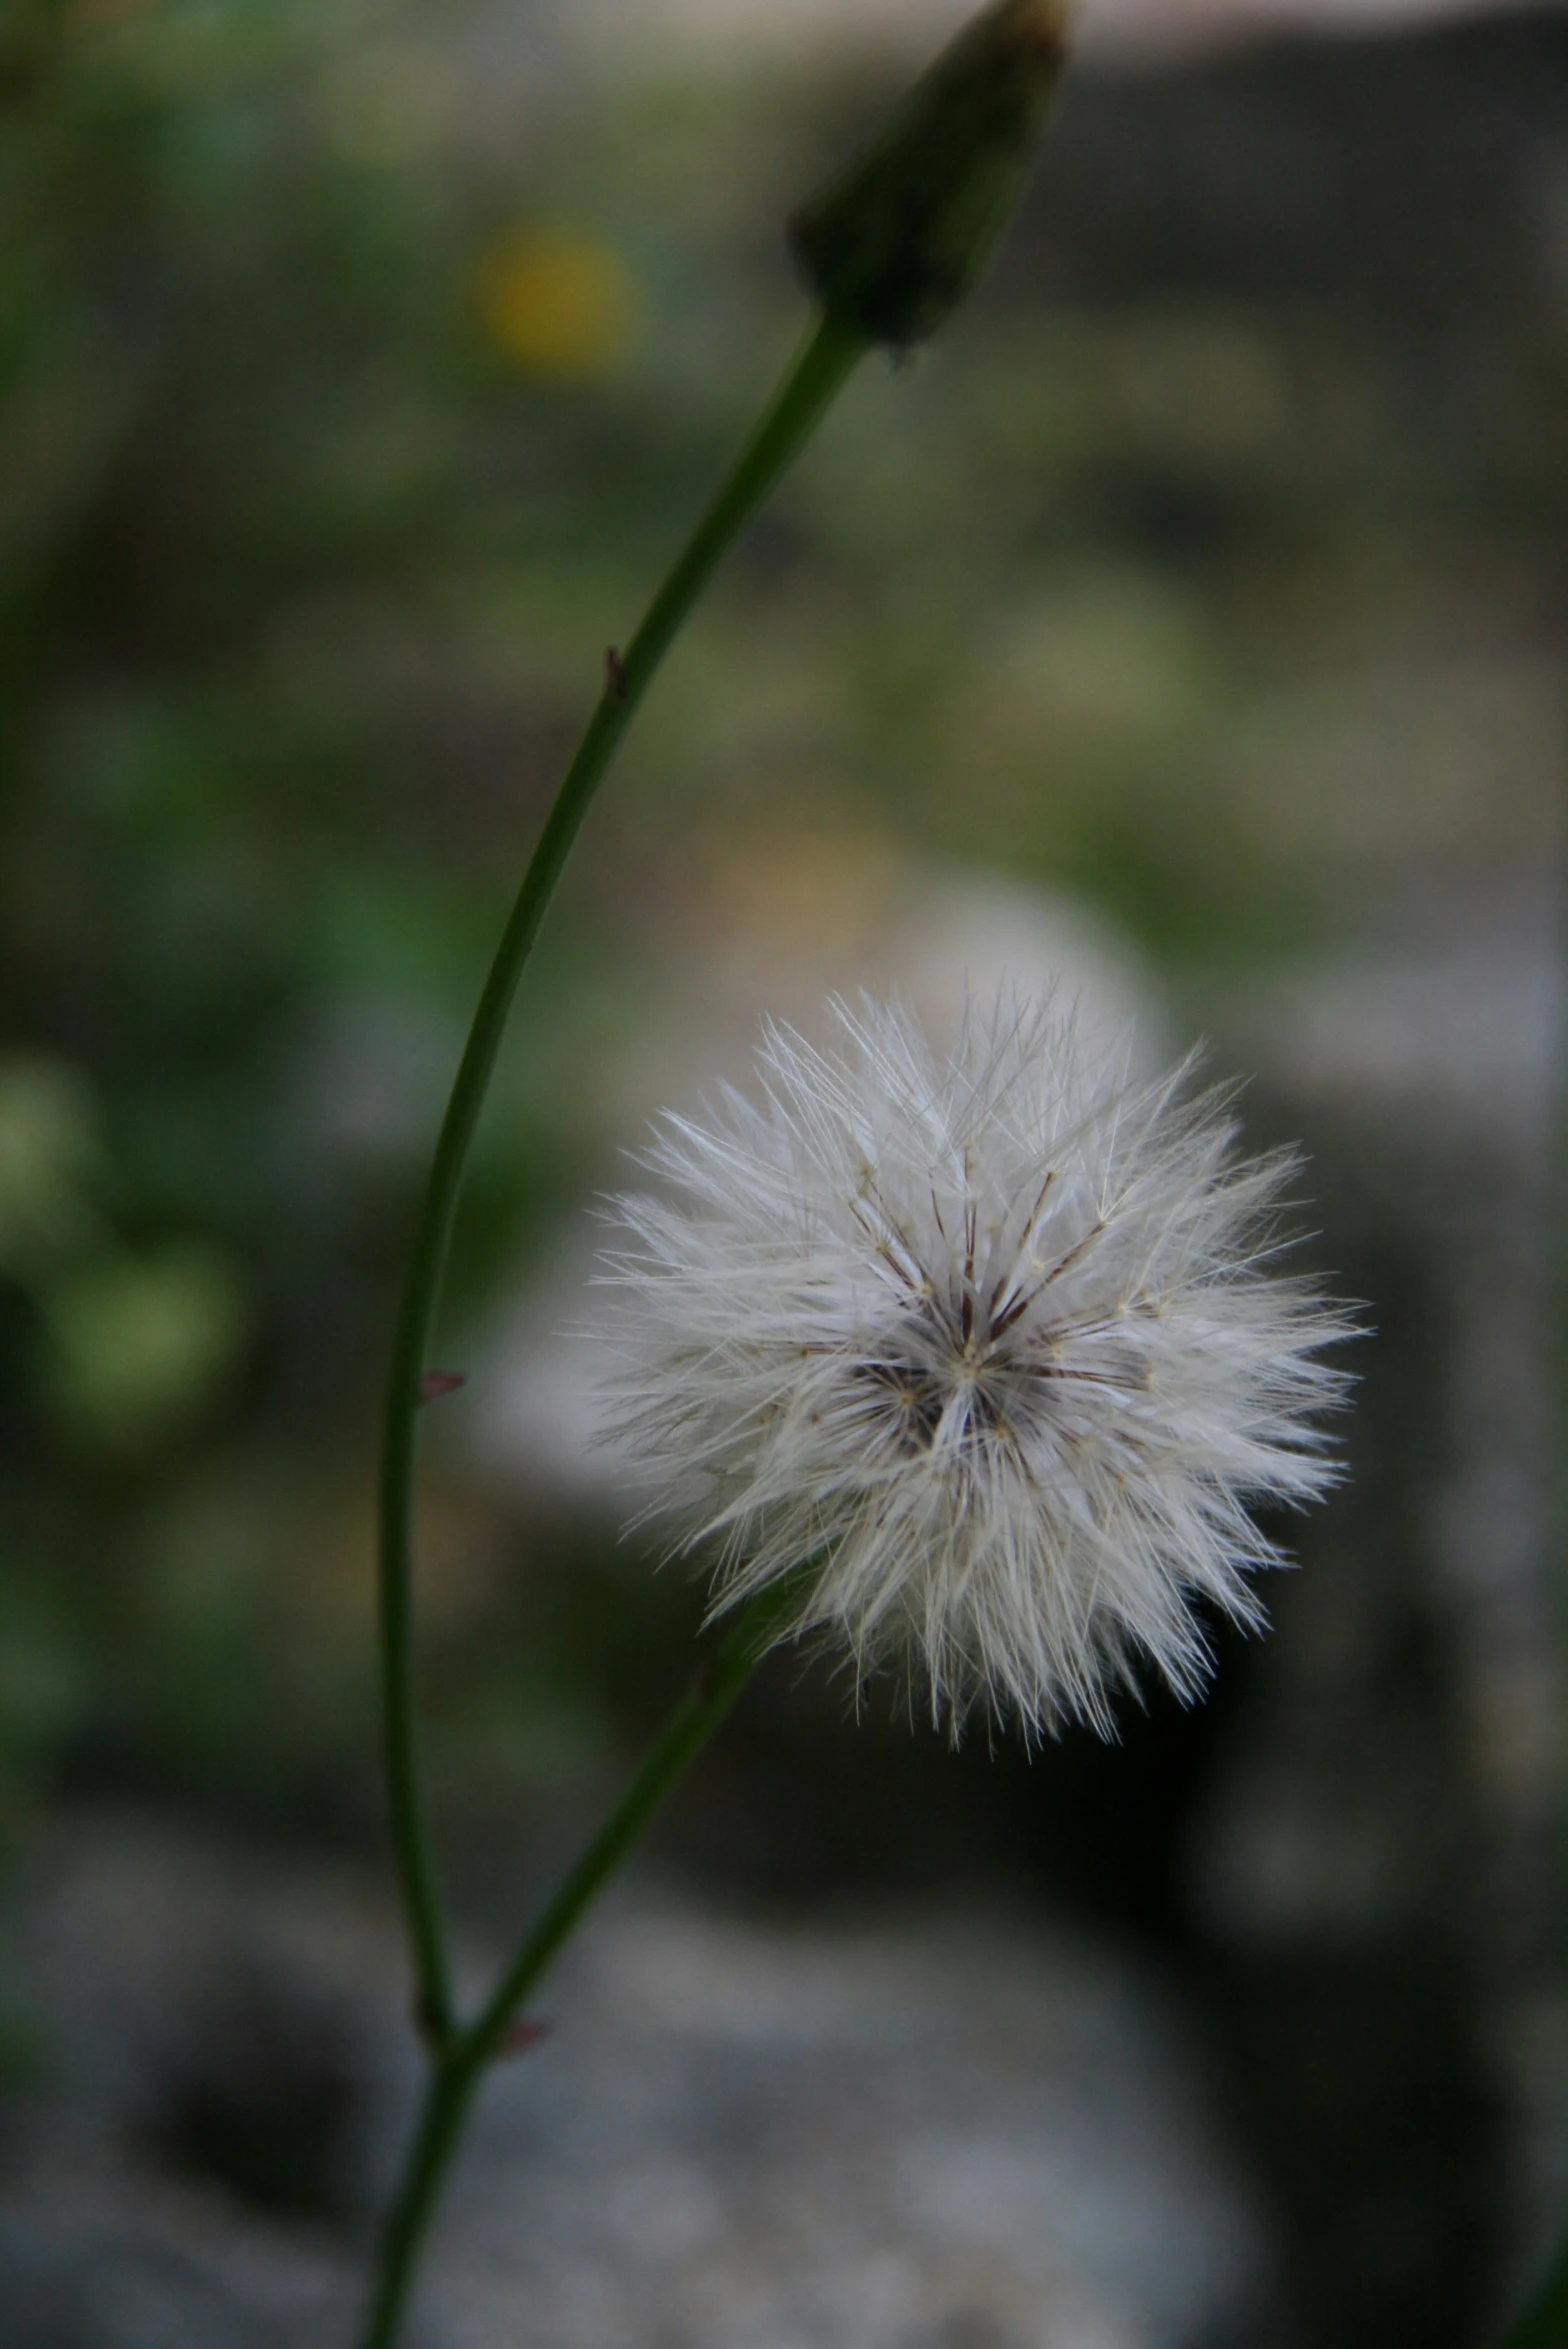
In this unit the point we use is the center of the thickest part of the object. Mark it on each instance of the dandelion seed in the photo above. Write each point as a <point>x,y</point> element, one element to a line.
<point>993,1341</point>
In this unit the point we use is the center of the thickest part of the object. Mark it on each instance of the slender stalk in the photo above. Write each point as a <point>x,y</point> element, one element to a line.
<point>1543,2322</point>
<point>816,376</point>
<point>460,2065</point>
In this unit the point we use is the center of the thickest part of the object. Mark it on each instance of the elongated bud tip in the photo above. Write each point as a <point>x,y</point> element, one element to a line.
<point>904,233</point>
<point>898,241</point>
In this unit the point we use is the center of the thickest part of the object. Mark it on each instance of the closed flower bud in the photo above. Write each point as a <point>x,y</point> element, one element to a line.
<point>896,243</point>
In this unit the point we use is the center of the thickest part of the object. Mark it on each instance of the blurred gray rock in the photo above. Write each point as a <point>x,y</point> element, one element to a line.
<point>1373,1856</point>
<point>897,2135</point>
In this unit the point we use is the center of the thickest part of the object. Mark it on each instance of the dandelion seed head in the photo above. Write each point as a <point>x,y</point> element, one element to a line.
<point>994,1340</point>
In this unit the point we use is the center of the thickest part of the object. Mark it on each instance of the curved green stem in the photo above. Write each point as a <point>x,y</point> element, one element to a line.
<point>462,2062</point>
<point>816,376</point>
<point>1543,2322</point>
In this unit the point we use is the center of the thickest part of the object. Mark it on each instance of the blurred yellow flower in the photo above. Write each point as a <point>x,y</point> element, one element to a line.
<point>560,304</point>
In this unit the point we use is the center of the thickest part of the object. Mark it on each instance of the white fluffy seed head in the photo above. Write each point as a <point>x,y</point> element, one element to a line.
<point>992,1341</point>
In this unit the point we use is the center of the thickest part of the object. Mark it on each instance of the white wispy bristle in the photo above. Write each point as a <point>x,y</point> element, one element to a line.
<point>993,1340</point>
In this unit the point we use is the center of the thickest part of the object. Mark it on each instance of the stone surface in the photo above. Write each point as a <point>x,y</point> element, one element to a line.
<point>922,2134</point>
<point>1372,1858</point>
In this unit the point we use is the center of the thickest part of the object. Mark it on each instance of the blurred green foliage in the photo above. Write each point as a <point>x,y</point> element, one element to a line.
<point>357,375</point>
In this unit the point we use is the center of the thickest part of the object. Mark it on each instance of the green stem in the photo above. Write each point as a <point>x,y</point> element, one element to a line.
<point>462,2062</point>
<point>819,372</point>
<point>1543,2322</point>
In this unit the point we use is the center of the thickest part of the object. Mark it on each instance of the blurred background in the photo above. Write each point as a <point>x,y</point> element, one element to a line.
<point>1190,623</point>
